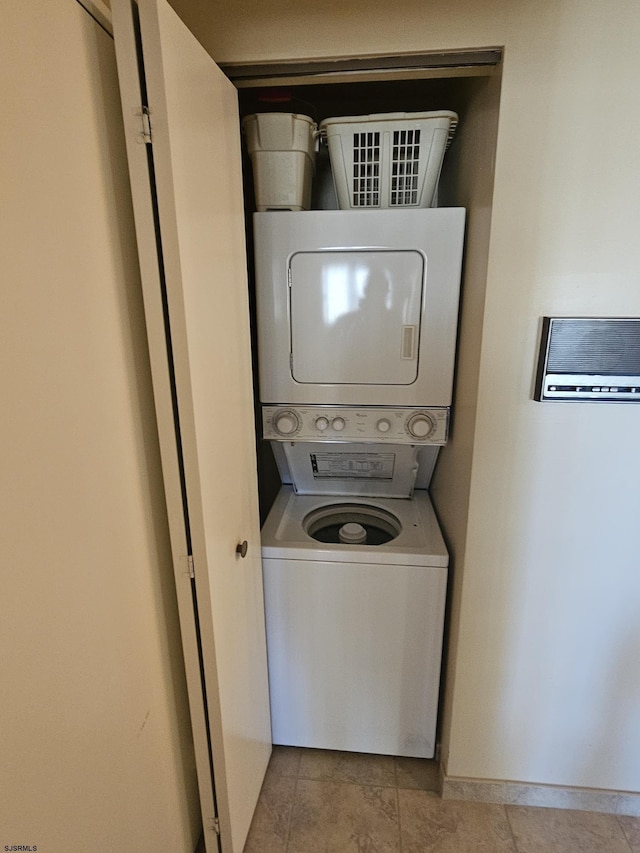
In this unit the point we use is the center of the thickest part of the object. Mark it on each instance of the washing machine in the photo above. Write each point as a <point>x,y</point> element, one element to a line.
<point>355,590</point>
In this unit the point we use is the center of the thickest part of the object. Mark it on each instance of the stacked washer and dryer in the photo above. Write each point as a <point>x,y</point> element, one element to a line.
<point>357,315</point>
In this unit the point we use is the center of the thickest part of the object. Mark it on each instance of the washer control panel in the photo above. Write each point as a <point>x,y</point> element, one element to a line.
<point>342,423</point>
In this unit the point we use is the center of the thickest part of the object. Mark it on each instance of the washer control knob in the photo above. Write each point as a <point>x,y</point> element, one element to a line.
<point>383,425</point>
<point>420,425</point>
<point>338,424</point>
<point>322,423</point>
<point>286,423</point>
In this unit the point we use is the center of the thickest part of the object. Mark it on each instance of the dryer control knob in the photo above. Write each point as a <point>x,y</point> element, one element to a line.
<point>338,424</point>
<point>420,426</point>
<point>383,425</point>
<point>286,423</point>
<point>322,423</point>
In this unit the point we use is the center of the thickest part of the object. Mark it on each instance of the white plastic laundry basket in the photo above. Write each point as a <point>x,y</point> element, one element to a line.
<point>282,151</point>
<point>388,160</point>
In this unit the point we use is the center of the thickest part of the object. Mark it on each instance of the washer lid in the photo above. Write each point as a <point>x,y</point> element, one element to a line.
<point>352,469</point>
<point>419,541</point>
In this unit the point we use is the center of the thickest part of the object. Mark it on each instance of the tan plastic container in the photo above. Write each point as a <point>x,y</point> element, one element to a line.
<point>282,151</point>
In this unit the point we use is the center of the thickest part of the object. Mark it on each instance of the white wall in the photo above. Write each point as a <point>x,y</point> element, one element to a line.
<point>96,748</point>
<point>544,684</point>
<point>467,181</point>
<point>547,686</point>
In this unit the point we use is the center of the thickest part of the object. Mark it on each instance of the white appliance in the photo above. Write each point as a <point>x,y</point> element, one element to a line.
<point>355,577</point>
<point>358,308</point>
<point>354,631</point>
<point>357,317</point>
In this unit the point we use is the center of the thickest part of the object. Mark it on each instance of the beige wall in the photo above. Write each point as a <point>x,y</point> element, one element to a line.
<point>467,181</point>
<point>543,683</point>
<point>279,29</point>
<point>546,688</point>
<point>96,748</point>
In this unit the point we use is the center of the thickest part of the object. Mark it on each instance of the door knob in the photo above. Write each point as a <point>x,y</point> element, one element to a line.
<point>241,548</point>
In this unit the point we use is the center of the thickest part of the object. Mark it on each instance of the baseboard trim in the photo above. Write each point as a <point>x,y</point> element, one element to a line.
<point>550,796</point>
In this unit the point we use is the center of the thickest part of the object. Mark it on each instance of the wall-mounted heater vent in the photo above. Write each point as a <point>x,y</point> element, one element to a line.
<point>589,360</point>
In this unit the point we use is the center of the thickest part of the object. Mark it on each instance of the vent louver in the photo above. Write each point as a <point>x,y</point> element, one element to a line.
<point>366,170</point>
<point>405,163</point>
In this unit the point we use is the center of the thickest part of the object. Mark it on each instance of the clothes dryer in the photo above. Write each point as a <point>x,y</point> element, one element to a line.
<point>358,308</point>
<point>354,624</point>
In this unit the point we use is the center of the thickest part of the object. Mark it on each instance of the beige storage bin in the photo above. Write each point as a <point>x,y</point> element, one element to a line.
<point>282,151</point>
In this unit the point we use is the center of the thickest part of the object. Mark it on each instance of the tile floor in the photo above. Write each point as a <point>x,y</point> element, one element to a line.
<point>314,801</point>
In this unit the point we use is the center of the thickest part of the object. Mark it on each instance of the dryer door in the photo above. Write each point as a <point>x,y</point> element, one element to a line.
<point>355,316</point>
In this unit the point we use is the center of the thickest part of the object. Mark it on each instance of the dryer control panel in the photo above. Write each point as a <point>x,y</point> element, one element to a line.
<point>365,424</point>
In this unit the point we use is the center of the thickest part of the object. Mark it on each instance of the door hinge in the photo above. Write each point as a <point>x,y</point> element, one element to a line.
<point>289,276</point>
<point>190,566</point>
<point>214,824</point>
<point>145,120</point>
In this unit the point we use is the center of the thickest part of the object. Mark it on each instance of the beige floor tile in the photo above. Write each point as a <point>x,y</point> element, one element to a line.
<point>417,773</point>
<point>340,817</point>
<point>631,827</point>
<point>285,760</point>
<point>269,829</point>
<point>347,767</point>
<point>541,830</point>
<point>432,825</point>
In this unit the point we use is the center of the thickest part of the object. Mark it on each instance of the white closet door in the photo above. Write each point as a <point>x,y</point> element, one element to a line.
<point>195,152</point>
